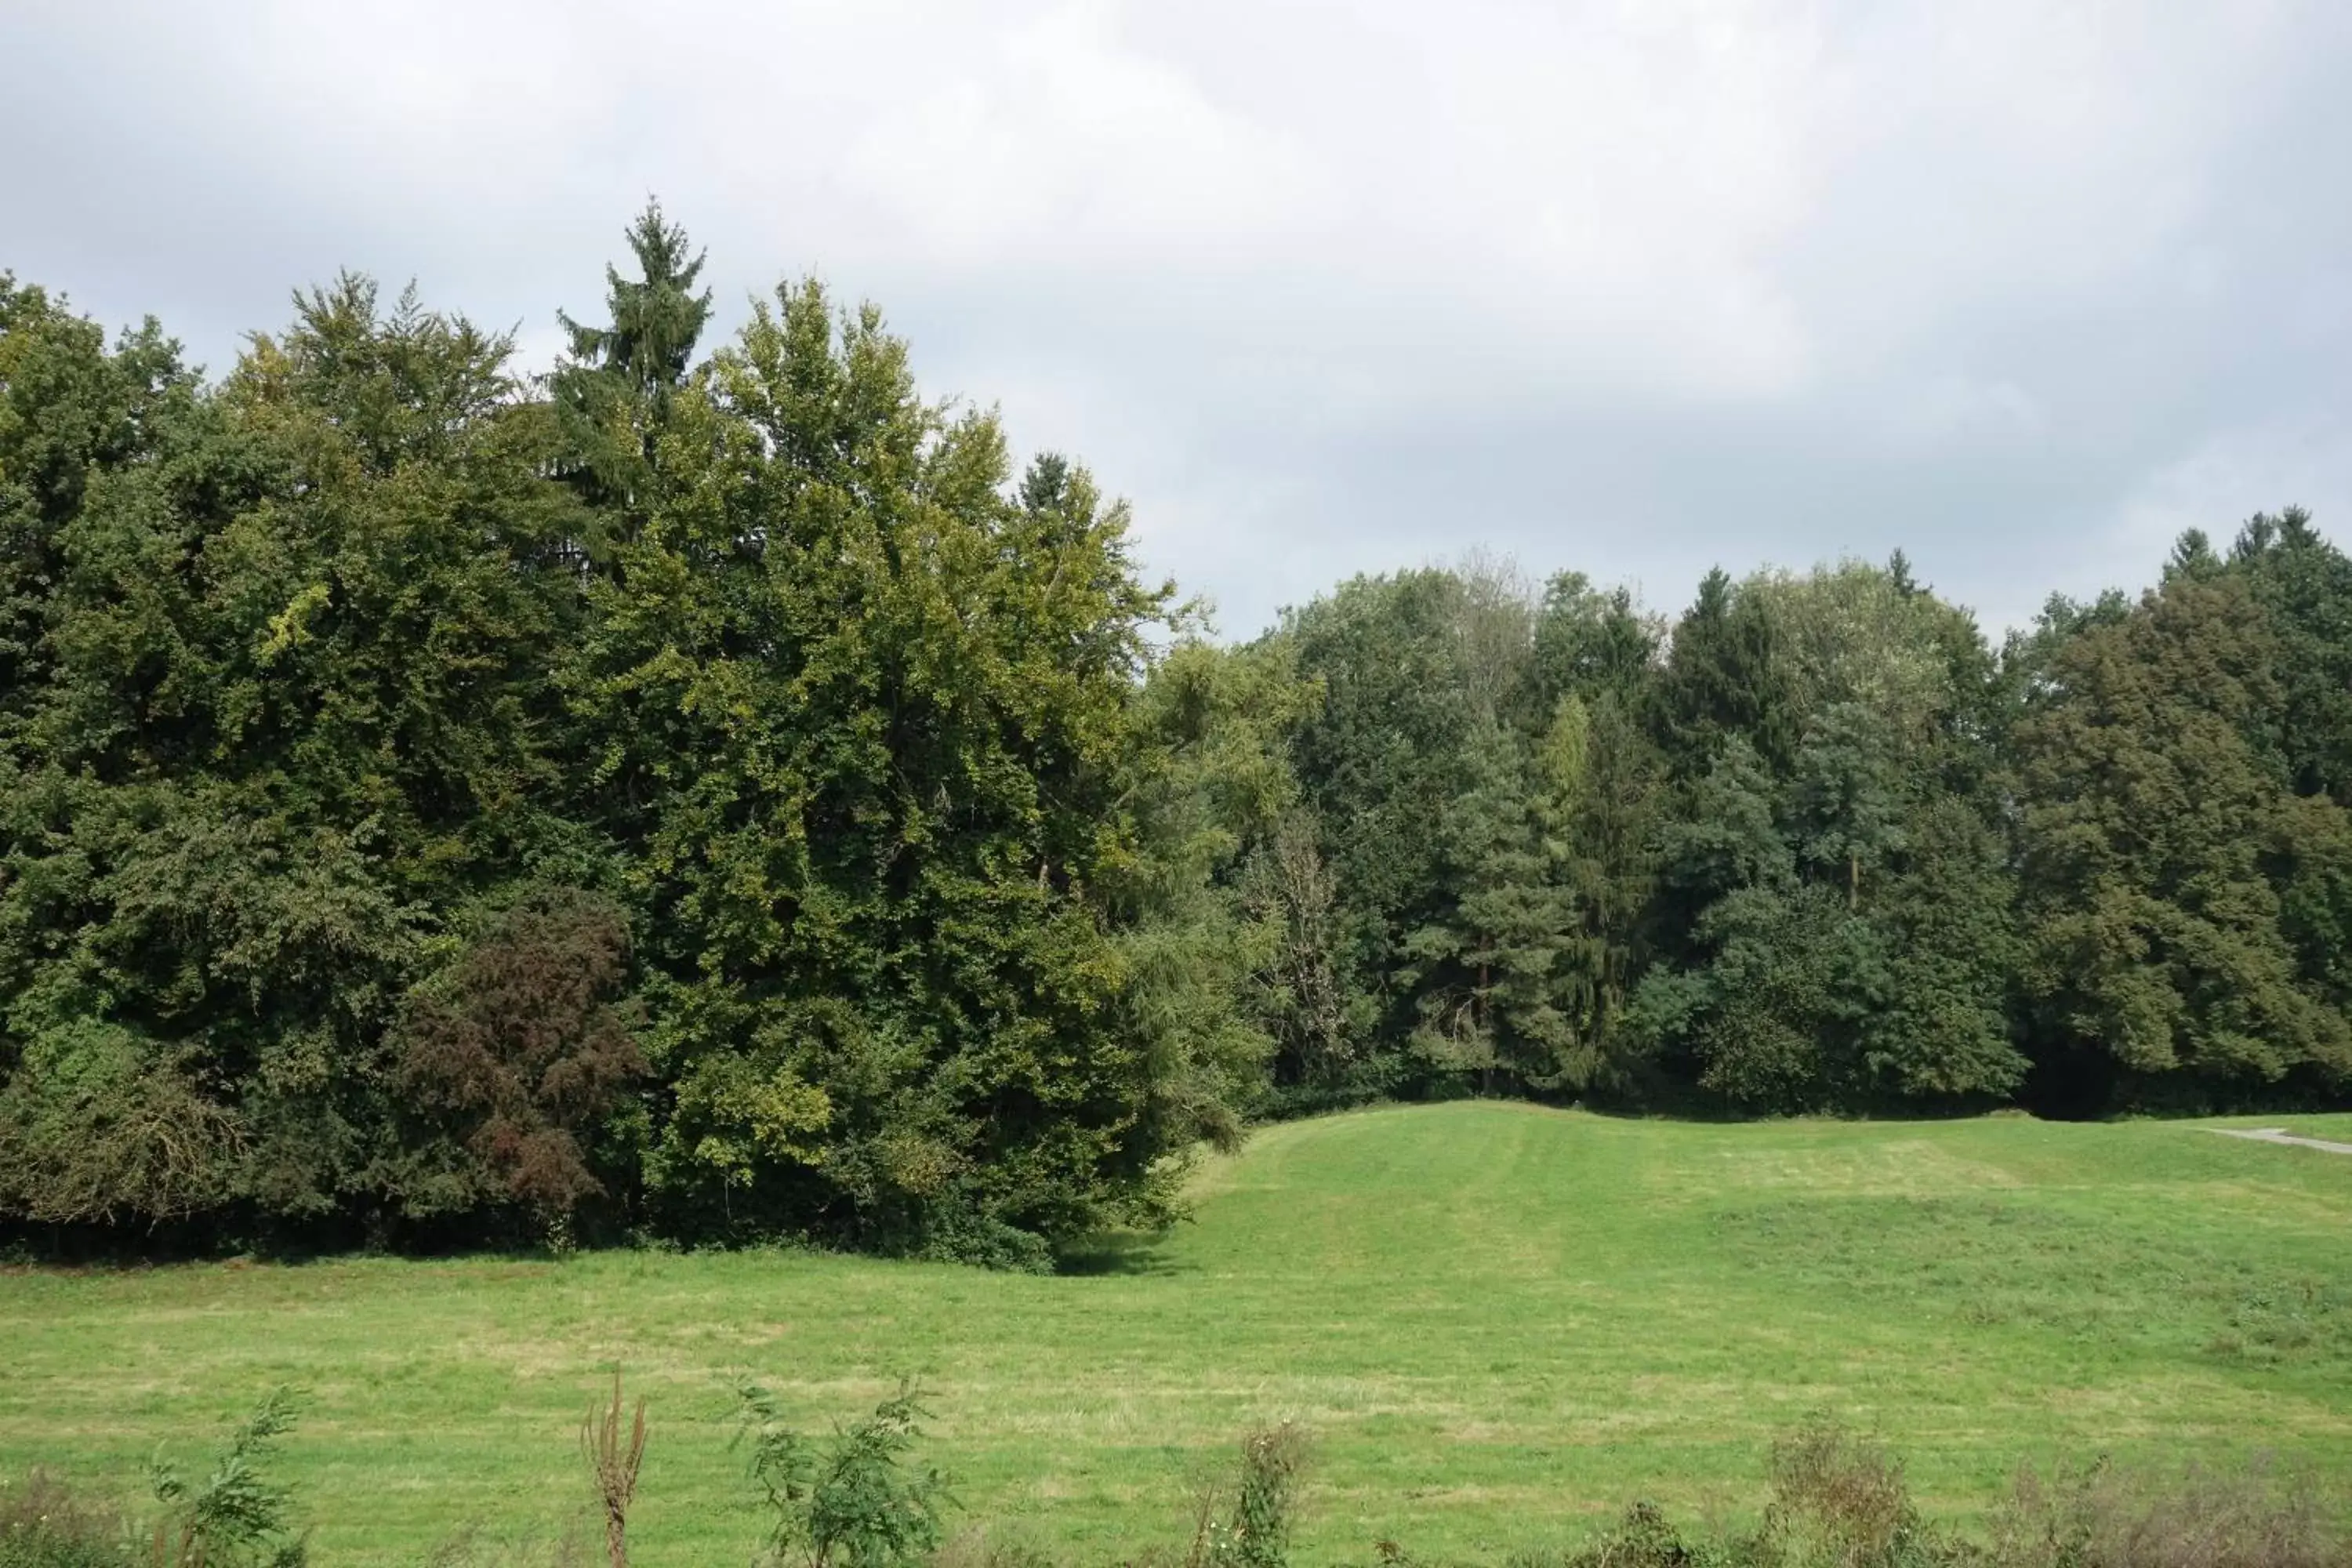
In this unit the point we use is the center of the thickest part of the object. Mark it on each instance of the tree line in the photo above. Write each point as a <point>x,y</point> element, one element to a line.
<point>712,796</point>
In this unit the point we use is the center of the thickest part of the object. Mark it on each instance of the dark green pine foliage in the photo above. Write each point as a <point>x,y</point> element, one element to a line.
<point>1838,933</point>
<point>376,861</point>
<point>611,394</point>
<point>1940,1033</point>
<point>1488,974</point>
<point>2154,814</point>
<point>1724,676</point>
<point>1592,661</point>
<point>1739,1005</point>
<point>2304,587</point>
<point>864,714</point>
<point>1586,642</point>
<point>1378,764</point>
<point>1605,813</point>
<point>89,1093</point>
<point>296,722</point>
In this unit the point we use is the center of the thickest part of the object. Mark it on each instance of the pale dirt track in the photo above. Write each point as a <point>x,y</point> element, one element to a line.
<point>2280,1135</point>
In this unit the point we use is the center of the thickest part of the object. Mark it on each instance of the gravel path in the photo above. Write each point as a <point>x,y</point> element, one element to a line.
<point>2280,1135</point>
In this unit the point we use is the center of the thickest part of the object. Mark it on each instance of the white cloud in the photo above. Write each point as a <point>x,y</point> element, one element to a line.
<point>1629,285</point>
<point>2227,477</point>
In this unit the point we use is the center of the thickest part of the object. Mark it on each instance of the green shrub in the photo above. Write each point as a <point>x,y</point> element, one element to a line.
<point>1643,1539</point>
<point>1273,1460</point>
<point>2101,1516</point>
<point>45,1525</point>
<point>232,1518</point>
<point>853,1501</point>
<point>1250,1527</point>
<point>1840,1502</point>
<point>475,1547</point>
<point>236,1516</point>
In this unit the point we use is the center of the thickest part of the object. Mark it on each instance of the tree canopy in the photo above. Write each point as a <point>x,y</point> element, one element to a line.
<point>711,793</point>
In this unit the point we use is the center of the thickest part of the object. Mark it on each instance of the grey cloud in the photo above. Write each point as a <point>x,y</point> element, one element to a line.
<point>2021,288</point>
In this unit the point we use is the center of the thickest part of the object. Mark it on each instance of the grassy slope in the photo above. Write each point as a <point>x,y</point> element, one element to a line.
<point>1499,1320</point>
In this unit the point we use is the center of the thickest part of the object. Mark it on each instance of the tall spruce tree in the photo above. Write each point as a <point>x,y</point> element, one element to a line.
<point>1487,972</point>
<point>1724,676</point>
<point>2304,587</point>
<point>612,390</point>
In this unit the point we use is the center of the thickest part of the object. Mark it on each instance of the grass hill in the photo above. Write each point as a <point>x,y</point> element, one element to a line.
<point>1501,1323</point>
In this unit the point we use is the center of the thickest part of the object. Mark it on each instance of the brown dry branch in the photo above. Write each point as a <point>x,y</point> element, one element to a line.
<point>613,1463</point>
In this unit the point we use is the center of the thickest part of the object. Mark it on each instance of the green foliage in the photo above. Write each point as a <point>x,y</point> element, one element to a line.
<point>1485,969</point>
<point>863,718</point>
<point>294,714</point>
<point>1588,642</point>
<point>1484,799</point>
<point>236,1515</point>
<point>1213,969</point>
<point>1318,1018</point>
<point>2156,941</point>
<point>1382,758</point>
<point>45,1525</point>
<point>611,394</point>
<point>705,794</point>
<point>853,1500</point>
<point>710,794</point>
<point>1266,1497</point>
<point>2304,587</point>
<point>1725,676</point>
<point>1248,1524</point>
<point>1839,927</point>
<point>1941,1033</point>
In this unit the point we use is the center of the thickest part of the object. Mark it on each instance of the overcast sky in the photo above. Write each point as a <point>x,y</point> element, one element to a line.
<point>2023,287</point>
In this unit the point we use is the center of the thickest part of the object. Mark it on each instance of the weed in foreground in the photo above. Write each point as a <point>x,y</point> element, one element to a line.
<point>1642,1539</point>
<point>614,1460</point>
<point>236,1516</point>
<point>1840,1501</point>
<point>2101,1516</point>
<point>852,1502</point>
<point>1252,1528</point>
<point>475,1547</point>
<point>1836,1500</point>
<point>44,1524</point>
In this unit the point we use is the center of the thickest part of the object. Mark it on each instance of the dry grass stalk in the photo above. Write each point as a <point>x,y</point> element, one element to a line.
<point>612,1463</point>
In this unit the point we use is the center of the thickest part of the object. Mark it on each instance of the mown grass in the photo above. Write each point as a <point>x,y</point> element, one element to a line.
<point>1501,1323</point>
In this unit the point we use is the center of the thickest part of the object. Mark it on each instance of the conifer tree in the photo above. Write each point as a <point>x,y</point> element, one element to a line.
<point>2157,943</point>
<point>612,390</point>
<point>1724,676</point>
<point>1488,971</point>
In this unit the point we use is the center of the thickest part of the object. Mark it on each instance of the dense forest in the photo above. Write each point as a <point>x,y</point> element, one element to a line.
<point>708,795</point>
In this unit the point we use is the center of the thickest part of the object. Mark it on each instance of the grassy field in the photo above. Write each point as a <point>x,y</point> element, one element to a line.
<point>1501,1323</point>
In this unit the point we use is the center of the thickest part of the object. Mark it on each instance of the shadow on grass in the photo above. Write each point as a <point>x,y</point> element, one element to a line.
<point>1129,1253</point>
